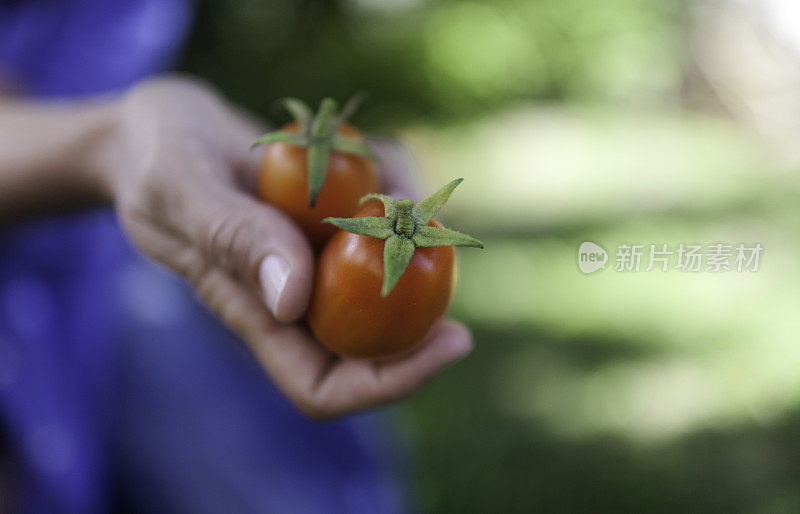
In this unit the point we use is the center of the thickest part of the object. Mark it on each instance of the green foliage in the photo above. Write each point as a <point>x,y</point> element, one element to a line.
<point>650,392</point>
<point>437,60</point>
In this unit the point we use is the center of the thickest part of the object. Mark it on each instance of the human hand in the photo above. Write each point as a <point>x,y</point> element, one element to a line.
<point>180,173</point>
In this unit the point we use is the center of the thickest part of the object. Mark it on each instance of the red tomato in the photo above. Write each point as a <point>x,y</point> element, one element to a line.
<point>349,316</point>
<point>283,182</point>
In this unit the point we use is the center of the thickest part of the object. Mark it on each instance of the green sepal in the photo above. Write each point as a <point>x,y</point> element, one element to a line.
<point>280,136</point>
<point>325,119</point>
<point>427,209</point>
<point>405,228</point>
<point>318,157</point>
<point>379,228</point>
<point>319,148</point>
<point>300,111</point>
<point>319,133</point>
<point>397,253</point>
<point>351,106</point>
<point>352,146</point>
<point>428,237</point>
<point>389,203</point>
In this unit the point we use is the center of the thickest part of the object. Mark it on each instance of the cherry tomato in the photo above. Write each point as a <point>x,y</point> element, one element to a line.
<point>317,167</point>
<point>349,316</point>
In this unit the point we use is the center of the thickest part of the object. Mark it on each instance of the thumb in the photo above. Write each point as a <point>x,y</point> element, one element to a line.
<point>259,246</point>
<point>250,240</point>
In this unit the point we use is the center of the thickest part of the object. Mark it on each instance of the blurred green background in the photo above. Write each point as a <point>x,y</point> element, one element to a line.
<point>576,120</point>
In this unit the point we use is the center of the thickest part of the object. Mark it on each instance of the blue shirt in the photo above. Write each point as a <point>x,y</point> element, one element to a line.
<point>115,385</point>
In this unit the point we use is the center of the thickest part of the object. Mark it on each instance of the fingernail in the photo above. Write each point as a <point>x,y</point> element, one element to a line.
<point>462,349</point>
<point>461,344</point>
<point>273,274</point>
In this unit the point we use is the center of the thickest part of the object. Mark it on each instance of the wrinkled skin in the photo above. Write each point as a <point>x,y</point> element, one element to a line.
<point>283,182</point>
<point>349,316</point>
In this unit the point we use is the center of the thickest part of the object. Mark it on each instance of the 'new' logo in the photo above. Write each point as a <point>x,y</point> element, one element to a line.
<point>591,257</point>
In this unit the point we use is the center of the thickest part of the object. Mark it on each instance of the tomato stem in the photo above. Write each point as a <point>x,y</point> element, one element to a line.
<point>405,228</point>
<point>320,135</point>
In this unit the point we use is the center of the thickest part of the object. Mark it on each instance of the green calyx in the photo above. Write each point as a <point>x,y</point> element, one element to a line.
<point>320,134</point>
<point>405,228</point>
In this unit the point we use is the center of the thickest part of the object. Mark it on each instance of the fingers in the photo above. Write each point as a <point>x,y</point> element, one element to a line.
<point>251,240</point>
<point>275,246</point>
<point>448,342</point>
<point>287,353</point>
<point>254,243</point>
<point>320,384</point>
<point>188,187</point>
<point>399,170</point>
<point>353,385</point>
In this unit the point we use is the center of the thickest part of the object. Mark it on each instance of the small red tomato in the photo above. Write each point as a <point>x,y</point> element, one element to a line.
<point>316,167</point>
<point>386,278</point>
